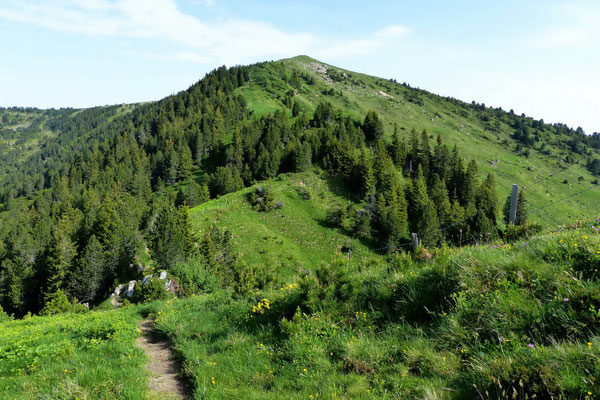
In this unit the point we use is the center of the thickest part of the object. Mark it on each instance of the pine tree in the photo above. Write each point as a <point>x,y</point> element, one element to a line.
<point>487,198</point>
<point>85,283</point>
<point>59,258</point>
<point>204,193</point>
<point>363,174</point>
<point>172,237</point>
<point>398,149</point>
<point>193,195</point>
<point>238,151</point>
<point>439,196</point>
<point>425,153</point>
<point>440,162</point>
<point>469,188</point>
<point>185,166</point>
<point>521,219</point>
<point>422,213</point>
<point>372,126</point>
<point>414,153</point>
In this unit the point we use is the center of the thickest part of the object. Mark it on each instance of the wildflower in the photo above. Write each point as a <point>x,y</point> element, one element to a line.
<point>531,345</point>
<point>585,237</point>
<point>589,344</point>
<point>304,370</point>
<point>566,299</point>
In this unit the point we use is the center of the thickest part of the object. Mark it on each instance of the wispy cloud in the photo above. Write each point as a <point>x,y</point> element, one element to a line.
<point>228,41</point>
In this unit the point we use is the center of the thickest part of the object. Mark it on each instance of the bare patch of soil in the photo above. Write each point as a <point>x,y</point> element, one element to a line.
<point>164,380</point>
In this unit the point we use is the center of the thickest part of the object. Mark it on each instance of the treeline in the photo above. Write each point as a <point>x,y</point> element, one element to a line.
<point>98,194</point>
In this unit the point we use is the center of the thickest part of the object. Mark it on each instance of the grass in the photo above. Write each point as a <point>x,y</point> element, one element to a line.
<point>73,356</point>
<point>294,236</point>
<point>497,321</point>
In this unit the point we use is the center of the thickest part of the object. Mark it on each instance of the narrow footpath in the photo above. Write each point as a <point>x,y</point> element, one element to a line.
<point>164,381</point>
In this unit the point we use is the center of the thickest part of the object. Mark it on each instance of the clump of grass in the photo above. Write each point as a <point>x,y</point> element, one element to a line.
<point>492,321</point>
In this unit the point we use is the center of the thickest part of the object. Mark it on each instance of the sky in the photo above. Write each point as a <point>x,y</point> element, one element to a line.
<point>538,57</point>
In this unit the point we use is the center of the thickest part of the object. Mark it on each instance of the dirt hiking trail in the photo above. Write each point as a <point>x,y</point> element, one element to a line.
<point>164,382</point>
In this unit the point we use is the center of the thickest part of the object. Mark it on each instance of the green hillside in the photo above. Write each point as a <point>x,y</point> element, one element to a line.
<point>495,321</point>
<point>280,201</point>
<point>484,134</point>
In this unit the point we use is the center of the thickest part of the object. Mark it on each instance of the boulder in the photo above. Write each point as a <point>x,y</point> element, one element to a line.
<point>118,290</point>
<point>130,288</point>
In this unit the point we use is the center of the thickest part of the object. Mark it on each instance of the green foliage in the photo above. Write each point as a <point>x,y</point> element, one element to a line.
<point>263,198</point>
<point>69,356</point>
<point>172,237</point>
<point>58,303</point>
<point>4,317</point>
<point>153,289</point>
<point>502,321</point>
<point>195,276</point>
<point>372,126</point>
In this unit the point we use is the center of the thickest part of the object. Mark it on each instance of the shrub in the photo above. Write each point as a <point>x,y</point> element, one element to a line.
<point>263,199</point>
<point>4,316</point>
<point>154,289</point>
<point>195,276</point>
<point>59,303</point>
<point>516,232</point>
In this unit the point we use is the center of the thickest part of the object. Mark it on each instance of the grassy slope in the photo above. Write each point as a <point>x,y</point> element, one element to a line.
<point>479,322</point>
<point>457,125</point>
<point>294,236</point>
<point>72,356</point>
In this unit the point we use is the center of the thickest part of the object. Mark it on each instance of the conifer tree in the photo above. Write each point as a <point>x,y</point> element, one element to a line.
<point>468,189</point>
<point>59,258</point>
<point>372,126</point>
<point>238,151</point>
<point>193,195</point>
<point>185,166</point>
<point>414,150</point>
<point>363,174</point>
<point>422,213</point>
<point>425,155</point>
<point>86,281</point>
<point>439,196</point>
<point>521,218</point>
<point>487,199</point>
<point>398,149</point>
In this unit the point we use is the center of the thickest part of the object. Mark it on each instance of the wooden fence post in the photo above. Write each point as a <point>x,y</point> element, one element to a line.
<point>415,241</point>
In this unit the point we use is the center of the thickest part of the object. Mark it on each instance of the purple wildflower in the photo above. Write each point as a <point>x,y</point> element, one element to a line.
<point>566,299</point>
<point>531,345</point>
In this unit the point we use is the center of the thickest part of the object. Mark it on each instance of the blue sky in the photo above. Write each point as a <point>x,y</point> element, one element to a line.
<point>541,58</point>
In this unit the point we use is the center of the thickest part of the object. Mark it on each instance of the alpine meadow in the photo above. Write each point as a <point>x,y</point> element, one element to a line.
<point>294,230</point>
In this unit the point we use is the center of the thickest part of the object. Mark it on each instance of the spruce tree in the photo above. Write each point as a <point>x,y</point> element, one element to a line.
<point>372,126</point>
<point>422,213</point>
<point>85,283</point>
<point>363,174</point>
<point>185,166</point>
<point>398,149</point>
<point>439,196</point>
<point>487,198</point>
